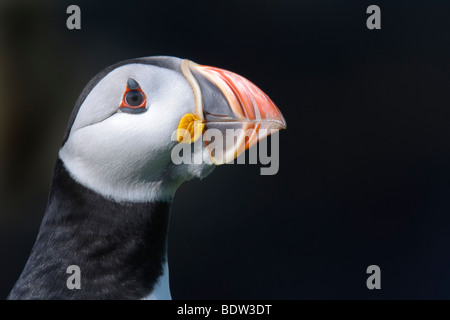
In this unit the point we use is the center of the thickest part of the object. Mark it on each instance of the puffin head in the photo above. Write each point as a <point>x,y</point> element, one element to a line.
<point>131,115</point>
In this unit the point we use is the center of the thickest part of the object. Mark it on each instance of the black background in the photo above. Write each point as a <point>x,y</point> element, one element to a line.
<point>364,164</point>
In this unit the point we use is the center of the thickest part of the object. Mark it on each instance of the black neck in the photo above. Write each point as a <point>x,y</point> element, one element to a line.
<point>119,247</point>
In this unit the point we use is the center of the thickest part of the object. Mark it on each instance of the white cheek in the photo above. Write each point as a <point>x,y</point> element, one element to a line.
<point>127,156</point>
<point>120,143</point>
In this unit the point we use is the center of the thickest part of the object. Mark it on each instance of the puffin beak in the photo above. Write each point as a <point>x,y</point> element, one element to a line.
<point>225,100</point>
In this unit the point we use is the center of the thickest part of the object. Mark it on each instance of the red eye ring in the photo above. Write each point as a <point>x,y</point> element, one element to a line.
<point>133,94</point>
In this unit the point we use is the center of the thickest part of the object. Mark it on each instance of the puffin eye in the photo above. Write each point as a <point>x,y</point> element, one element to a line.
<point>134,99</point>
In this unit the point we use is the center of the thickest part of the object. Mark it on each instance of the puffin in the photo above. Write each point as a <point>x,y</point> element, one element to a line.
<point>115,175</point>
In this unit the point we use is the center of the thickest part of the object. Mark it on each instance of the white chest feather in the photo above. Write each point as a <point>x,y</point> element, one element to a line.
<point>161,291</point>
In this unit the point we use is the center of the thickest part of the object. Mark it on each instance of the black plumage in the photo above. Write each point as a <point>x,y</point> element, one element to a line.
<point>119,247</point>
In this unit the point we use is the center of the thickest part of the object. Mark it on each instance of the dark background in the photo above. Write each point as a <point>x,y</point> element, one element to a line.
<point>364,164</point>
